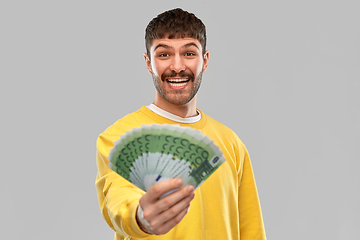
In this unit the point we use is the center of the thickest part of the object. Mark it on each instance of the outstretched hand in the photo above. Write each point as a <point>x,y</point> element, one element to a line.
<point>162,214</point>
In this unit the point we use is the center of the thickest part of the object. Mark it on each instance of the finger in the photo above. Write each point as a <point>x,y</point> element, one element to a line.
<point>173,211</point>
<point>152,210</point>
<point>159,189</point>
<point>185,194</point>
<point>150,202</point>
<point>167,226</point>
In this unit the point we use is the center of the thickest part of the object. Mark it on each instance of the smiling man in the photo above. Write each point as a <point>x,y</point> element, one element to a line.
<point>226,206</point>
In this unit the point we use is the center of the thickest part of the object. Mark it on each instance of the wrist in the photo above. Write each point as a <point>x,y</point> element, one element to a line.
<point>142,222</point>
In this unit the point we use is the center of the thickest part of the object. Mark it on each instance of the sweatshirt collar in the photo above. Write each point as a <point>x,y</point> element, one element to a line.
<point>174,117</point>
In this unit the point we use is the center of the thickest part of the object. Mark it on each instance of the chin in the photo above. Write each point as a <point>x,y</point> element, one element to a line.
<point>179,101</point>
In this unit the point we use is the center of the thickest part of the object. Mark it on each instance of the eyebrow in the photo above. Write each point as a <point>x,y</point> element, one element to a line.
<point>190,44</point>
<point>168,47</point>
<point>162,45</point>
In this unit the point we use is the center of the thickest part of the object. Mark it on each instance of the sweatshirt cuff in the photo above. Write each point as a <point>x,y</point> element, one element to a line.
<point>132,227</point>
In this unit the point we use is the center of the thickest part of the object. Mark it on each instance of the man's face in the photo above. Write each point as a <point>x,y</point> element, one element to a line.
<point>176,66</point>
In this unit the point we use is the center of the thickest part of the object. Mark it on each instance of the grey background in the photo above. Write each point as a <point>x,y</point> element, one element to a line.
<point>284,75</point>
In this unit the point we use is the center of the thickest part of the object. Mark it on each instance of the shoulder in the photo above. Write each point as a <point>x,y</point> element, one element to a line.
<point>129,121</point>
<point>218,125</point>
<point>222,132</point>
<point>123,124</point>
<point>120,127</point>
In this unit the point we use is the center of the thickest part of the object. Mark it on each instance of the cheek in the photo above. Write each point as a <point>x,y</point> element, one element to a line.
<point>158,68</point>
<point>198,67</point>
<point>153,69</point>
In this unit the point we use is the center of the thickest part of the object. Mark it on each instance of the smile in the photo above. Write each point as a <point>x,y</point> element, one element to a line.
<point>177,82</point>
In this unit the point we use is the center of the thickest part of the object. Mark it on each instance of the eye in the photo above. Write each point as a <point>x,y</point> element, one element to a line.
<point>189,54</point>
<point>163,55</point>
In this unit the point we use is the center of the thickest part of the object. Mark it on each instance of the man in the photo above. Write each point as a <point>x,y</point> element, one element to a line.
<point>226,205</point>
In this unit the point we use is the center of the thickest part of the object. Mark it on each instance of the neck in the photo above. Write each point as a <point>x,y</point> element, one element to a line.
<point>184,111</point>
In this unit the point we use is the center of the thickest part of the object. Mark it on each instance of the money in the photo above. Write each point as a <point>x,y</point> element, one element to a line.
<point>155,153</point>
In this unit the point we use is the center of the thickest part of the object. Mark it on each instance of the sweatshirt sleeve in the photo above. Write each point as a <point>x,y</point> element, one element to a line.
<point>118,198</point>
<point>251,221</point>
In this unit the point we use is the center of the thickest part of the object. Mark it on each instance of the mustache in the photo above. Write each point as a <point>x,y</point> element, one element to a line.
<point>182,74</point>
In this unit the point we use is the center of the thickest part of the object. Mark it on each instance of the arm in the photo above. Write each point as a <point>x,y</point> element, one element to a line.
<point>251,221</point>
<point>119,201</point>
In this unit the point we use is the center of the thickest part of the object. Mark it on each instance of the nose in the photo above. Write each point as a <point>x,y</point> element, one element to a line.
<point>177,64</point>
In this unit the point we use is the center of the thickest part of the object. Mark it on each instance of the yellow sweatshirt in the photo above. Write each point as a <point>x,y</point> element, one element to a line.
<point>226,206</point>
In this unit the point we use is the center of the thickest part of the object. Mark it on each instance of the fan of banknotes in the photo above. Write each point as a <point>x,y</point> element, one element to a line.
<point>155,153</point>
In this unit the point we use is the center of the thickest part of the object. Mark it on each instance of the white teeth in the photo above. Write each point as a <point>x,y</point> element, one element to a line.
<point>177,79</point>
<point>177,84</point>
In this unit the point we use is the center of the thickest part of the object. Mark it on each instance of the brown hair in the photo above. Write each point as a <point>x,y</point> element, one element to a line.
<point>175,23</point>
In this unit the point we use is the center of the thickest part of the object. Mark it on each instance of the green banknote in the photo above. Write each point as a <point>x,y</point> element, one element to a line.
<point>155,153</point>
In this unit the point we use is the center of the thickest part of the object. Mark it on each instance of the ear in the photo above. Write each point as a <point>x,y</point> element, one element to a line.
<point>148,63</point>
<point>206,60</point>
